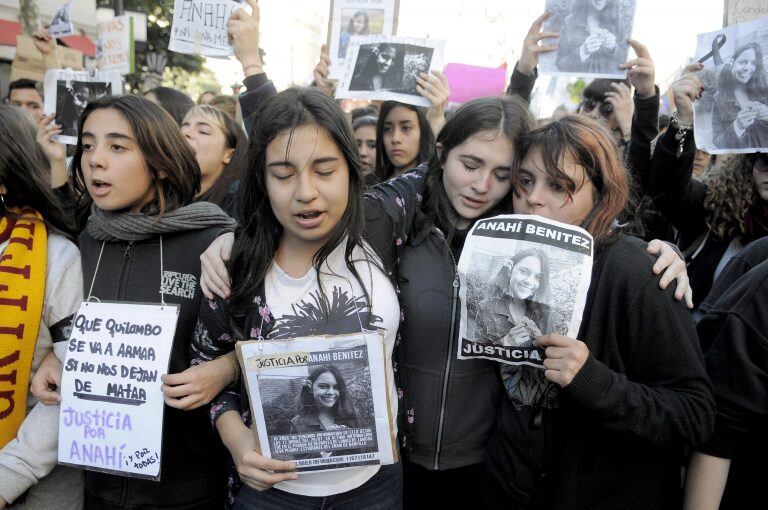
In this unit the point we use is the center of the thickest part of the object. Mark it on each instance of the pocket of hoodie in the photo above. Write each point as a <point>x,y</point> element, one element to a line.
<point>421,405</point>
<point>471,409</point>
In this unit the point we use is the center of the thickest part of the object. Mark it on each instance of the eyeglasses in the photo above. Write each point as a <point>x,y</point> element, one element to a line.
<point>588,105</point>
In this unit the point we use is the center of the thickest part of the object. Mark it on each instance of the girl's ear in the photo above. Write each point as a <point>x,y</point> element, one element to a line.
<point>228,156</point>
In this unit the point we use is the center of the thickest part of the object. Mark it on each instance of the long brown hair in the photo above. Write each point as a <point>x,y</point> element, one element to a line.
<point>169,158</point>
<point>591,146</point>
<point>731,191</point>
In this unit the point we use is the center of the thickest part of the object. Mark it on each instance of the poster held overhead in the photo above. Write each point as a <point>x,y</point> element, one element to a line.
<point>593,37</point>
<point>61,23</point>
<point>350,18</point>
<point>385,68</point>
<point>199,27</point>
<point>731,116</point>
<point>291,382</point>
<point>68,92</point>
<point>111,417</point>
<point>115,47</point>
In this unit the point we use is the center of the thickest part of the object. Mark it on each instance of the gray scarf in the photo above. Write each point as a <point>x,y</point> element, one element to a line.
<point>107,226</point>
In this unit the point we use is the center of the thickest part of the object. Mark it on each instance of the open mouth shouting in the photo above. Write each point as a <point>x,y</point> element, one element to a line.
<point>309,218</point>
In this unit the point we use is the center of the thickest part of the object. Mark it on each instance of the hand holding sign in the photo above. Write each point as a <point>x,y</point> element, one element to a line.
<point>529,57</point>
<point>47,381</point>
<point>243,33</point>
<point>196,386</point>
<point>686,90</point>
<point>565,357</point>
<point>44,42</point>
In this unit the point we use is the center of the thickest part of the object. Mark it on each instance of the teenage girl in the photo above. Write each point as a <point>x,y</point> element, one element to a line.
<point>633,392</point>
<point>221,150</point>
<point>138,176</point>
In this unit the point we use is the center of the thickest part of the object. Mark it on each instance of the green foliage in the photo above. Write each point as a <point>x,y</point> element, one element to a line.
<point>159,16</point>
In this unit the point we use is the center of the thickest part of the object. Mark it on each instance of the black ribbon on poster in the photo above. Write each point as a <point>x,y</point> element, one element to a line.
<point>717,43</point>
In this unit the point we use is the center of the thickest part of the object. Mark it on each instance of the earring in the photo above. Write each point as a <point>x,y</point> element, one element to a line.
<point>2,202</point>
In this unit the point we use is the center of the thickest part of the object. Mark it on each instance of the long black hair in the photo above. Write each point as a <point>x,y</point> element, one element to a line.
<point>757,87</point>
<point>26,173</point>
<point>175,102</point>
<point>256,245</point>
<point>508,116</point>
<point>344,411</point>
<point>384,167</point>
<point>169,158</point>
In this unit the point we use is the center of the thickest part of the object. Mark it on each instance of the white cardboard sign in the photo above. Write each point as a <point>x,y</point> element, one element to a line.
<point>200,27</point>
<point>111,417</point>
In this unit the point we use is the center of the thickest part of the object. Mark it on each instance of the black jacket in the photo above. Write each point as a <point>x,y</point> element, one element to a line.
<point>617,439</point>
<point>736,328</point>
<point>192,473</point>
<point>680,198</point>
<point>449,404</point>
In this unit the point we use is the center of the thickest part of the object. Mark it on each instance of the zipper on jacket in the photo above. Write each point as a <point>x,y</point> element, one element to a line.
<point>449,358</point>
<point>127,254</point>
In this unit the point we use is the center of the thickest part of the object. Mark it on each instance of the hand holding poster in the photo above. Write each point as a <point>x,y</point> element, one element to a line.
<point>67,93</point>
<point>321,402</point>
<point>593,37</point>
<point>520,277</point>
<point>385,68</point>
<point>111,416</point>
<point>61,23</point>
<point>357,18</point>
<point>199,27</point>
<point>115,48</point>
<point>732,114</point>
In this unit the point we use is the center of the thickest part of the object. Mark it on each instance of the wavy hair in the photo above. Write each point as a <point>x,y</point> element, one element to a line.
<point>366,25</point>
<point>344,411</point>
<point>756,86</point>
<point>591,146</point>
<point>731,192</point>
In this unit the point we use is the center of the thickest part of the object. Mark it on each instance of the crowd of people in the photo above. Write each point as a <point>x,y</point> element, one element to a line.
<point>270,199</point>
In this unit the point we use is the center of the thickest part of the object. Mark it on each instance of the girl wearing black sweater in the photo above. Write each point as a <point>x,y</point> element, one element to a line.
<point>632,391</point>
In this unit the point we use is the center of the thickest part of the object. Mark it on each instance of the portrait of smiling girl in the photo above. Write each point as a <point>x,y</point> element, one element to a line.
<point>324,403</point>
<point>740,114</point>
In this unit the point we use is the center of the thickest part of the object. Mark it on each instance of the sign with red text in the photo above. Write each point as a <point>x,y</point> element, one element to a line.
<point>111,416</point>
<point>115,48</point>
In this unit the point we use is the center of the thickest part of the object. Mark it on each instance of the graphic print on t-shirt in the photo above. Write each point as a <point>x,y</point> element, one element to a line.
<point>342,314</point>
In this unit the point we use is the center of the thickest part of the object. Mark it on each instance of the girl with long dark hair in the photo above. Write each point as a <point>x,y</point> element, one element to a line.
<point>359,24</point>
<point>310,262</point>
<point>324,403</point>
<point>404,139</point>
<point>740,114</point>
<point>632,391</point>
<point>40,290</point>
<point>382,69</point>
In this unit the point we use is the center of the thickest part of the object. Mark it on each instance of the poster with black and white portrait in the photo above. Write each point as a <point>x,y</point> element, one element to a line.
<point>61,23</point>
<point>521,277</point>
<point>321,401</point>
<point>349,18</point>
<point>385,68</point>
<point>68,92</point>
<point>731,116</point>
<point>593,37</point>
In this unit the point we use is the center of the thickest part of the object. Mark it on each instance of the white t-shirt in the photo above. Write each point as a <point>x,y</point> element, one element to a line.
<point>289,298</point>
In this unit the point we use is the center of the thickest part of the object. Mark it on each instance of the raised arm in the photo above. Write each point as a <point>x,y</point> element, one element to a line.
<point>524,74</point>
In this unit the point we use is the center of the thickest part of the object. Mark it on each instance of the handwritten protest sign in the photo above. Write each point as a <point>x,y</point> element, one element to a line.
<point>61,23</point>
<point>111,415</point>
<point>739,11</point>
<point>200,26</point>
<point>343,376</point>
<point>115,49</point>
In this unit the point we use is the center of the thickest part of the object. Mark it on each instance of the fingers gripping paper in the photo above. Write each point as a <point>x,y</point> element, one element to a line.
<point>521,277</point>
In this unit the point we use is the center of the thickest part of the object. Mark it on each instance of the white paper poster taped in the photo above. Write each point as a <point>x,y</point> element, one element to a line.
<point>111,417</point>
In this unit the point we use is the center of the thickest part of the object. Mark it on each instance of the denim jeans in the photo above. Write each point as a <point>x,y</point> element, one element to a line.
<point>384,491</point>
